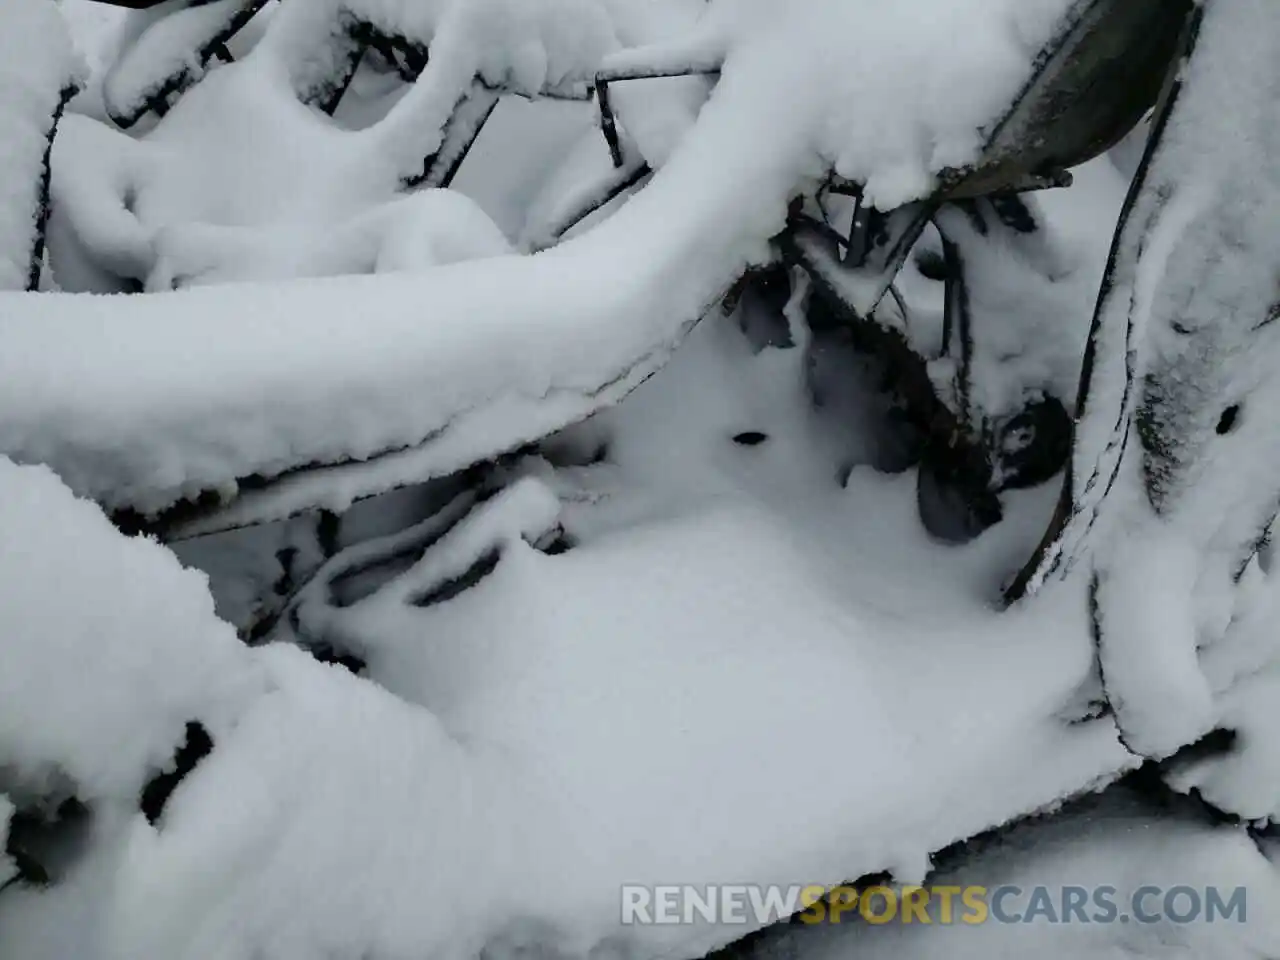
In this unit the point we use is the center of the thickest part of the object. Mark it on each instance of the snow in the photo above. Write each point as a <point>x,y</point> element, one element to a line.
<point>510,351</point>
<point>98,690</point>
<point>168,43</point>
<point>573,722</point>
<point>752,665</point>
<point>94,27</point>
<point>37,65</point>
<point>1182,340</point>
<point>1111,842</point>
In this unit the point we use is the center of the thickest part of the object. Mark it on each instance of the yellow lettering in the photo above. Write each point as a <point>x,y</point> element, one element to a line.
<point>843,899</point>
<point>975,899</point>
<point>915,905</point>
<point>815,904</point>
<point>945,894</point>
<point>890,905</point>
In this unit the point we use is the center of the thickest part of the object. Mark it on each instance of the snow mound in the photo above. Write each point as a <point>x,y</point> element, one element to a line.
<point>98,690</point>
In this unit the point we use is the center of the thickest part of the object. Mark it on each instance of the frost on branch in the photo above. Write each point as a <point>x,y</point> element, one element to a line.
<point>167,50</point>
<point>38,74</point>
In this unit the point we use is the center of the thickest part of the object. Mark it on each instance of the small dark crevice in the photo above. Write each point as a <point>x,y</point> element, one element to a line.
<point>328,526</point>
<point>1150,781</point>
<point>1229,420</point>
<point>932,265</point>
<point>41,842</point>
<point>557,543</point>
<point>195,747</point>
<point>750,438</point>
<point>326,653</point>
<point>286,557</point>
<point>453,587</point>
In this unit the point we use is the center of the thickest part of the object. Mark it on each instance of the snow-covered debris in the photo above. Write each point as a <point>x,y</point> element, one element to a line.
<point>1117,851</point>
<point>711,615</point>
<point>1173,481</point>
<point>38,71</point>
<point>109,647</point>
<point>486,358</point>
<point>637,680</point>
<point>168,49</point>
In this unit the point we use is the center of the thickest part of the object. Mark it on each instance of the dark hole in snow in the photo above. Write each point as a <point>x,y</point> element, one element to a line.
<point>954,503</point>
<point>44,843</point>
<point>1229,420</point>
<point>932,265</point>
<point>455,586</point>
<point>1151,780</point>
<point>1014,213</point>
<point>341,658</point>
<point>558,543</point>
<point>286,557</point>
<point>750,438</point>
<point>328,526</point>
<point>1035,444</point>
<point>155,795</point>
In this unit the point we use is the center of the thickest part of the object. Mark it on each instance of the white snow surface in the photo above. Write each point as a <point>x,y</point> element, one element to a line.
<point>37,63</point>
<point>164,42</point>
<point>744,671</point>
<point>478,358</point>
<point>581,721</point>
<point>1180,494</point>
<point>108,647</point>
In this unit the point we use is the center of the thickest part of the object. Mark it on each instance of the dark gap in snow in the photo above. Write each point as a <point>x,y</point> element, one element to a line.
<point>750,438</point>
<point>328,527</point>
<point>1227,422</point>
<point>1014,213</point>
<point>44,843</point>
<point>1151,781</point>
<point>555,542</point>
<point>284,586</point>
<point>955,505</point>
<point>353,585</point>
<point>196,745</point>
<point>1035,444</point>
<point>931,265</point>
<point>360,580</point>
<point>328,94</point>
<point>325,653</point>
<point>453,587</point>
<point>759,300</point>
